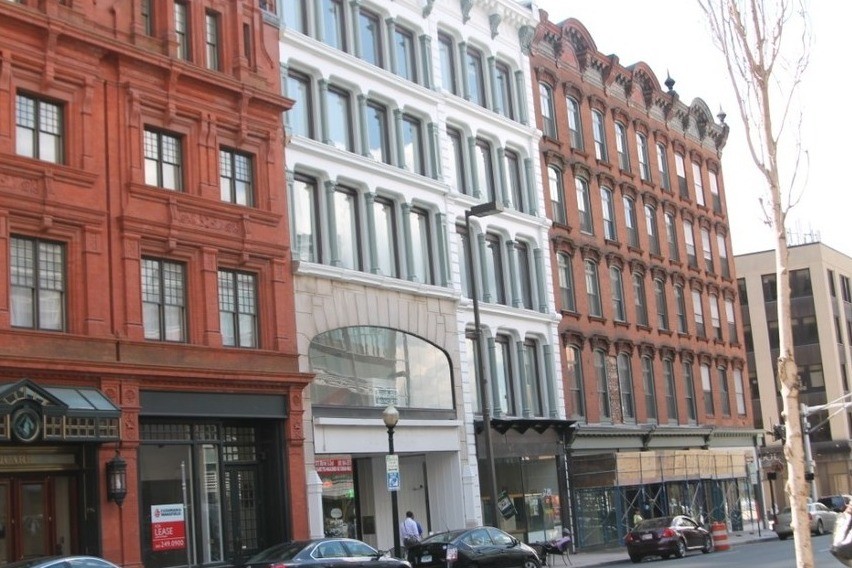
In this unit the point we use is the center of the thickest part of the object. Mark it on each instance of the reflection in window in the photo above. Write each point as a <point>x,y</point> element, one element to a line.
<point>365,366</point>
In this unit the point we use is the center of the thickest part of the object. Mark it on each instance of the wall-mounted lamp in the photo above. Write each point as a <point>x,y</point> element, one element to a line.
<point>116,478</point>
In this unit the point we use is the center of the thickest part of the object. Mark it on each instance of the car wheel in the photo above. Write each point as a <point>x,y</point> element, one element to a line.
<point>708,545</point>
<point>531,563</point>
<point>636,558</point>
<point>782,537</point>
<point>820,530</point>
<point>680,550</point>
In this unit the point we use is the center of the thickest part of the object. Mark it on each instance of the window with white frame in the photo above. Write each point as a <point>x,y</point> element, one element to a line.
<point>608,210</point>
<point>732,321</point>
<point>689,391</point>
<point>504,102</point>
<point>739,390</point>
<point>236,177</point>
<point>485,173</point>
<point>387,255</point>
<point>698,183</point>
<point>648,383</point>
<point>422,269</point>
<point>698,313</point>
<point>593,289</point>
<point>557,195</point>
<point>163,160</point>
<point>515,180</point>
<point>584,205</point>
<point>663,167</point>
<point>466,262</point>
<point>378,133</point>
<point>575,123</point>
<point>671,393</point>
<point>671,237</point>
<point>212,41</point>
<point>619,312</point>
<point>566,282</point>
<point>163,300</point>
<point>413,148</point>
<point>640,299</point>
<point>662,304</point>
<point>300,116</point>
<point>723,255</point>
<point>304,206</point>
<point>715,319</point>
<point>347,228</point>
<point>447,59</point>
<point>630,221</point>
<point>599,133</point>
<point>651,228</point>
<point>574,370</point>
<point>625,382</point>
<point>37,284</point>
<point>548,117</point>
<point>714,192</point>
<point>599,359</point>
<point>333,18</point>
<point>405,58</point>
<point>642,152</point>
<point>680,306</point>
<point>238,308</point>
<point>370,35</point>
<point>708,251</point>
<point>295,16</point>
<point>525,273</point>
<point>503,383</point>
<point>532,378</point>
<point>39,129</point>
<point>182,31</point>
<point>340,121</point>
<point>724,391</point>
<point>621,147</point>
<point>680,172</point>
<point>458,161</point>
<point>475,77</point>
<point>495,286</point>
<point>689,238</point>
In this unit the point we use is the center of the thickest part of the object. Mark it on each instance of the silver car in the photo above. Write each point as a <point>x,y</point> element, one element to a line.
<point>821,520</point>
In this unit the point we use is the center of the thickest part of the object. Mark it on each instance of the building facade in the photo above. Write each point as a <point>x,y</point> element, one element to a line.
<point>406,115</point>
<point>146,302</point>
<point>821,311</point>
<point>653,362</point>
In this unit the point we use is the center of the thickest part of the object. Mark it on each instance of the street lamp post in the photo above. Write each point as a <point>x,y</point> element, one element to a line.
<point>391,418</point>
<point>482,210</point>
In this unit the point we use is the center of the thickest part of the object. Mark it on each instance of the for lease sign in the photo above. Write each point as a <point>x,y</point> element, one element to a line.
<point>168,529</point>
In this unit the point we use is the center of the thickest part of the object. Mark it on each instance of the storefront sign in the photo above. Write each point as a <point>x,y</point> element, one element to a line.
<point>338,464</point>
<point>168,529</point>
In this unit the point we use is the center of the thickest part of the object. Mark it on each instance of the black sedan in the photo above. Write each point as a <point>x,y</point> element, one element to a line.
<point>667,536</point>
<point>324,553</point>
<point>481,547</point>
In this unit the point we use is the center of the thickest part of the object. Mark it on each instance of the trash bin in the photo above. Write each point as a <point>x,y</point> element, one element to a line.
<point>736,520</point>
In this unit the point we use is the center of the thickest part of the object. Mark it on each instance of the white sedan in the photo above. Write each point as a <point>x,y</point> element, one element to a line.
<point>821,520</point>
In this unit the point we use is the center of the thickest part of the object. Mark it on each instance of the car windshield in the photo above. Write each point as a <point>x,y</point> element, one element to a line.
<point>443,537</point>
<point>284,551</point>
<point>658,523</point>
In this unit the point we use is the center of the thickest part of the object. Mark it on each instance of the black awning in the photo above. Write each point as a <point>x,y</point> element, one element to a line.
<point>30,412</point>
<point>521,425</point>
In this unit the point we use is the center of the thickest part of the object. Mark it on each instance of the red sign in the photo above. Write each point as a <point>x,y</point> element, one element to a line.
<point>168,529</point>
<point>333,465</point>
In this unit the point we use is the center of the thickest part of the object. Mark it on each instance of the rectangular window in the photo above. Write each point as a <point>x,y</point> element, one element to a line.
<point>708,252</point>
<point>387,259</point>
<point>299,117</point>
<point>532,376</point>
<point>412,144</point>
<point>680,171</point>
<point>163,160</point>
<point>466,261</point>
<point>714,193</point>
<point>689,391</point>
<point>566,282</point>
<point>457,162</point>
<point>295,16</point>
<point>709,409</point>
<point>640,299</point>
<point>340,119</point>
<point>238,308</point>
<point>377,132</point>
<point>715,318</point>
<point>505,402</point>
<point>495,287</point>
<point>698,183</point>
<point>475,77</point>
<point>305,211</point>
<point>663,168</point>
<point>485,169</point>
<point>421,247</point>
<point>723,255</point>
<point>680,304</point>
<point>212,41</point>
<point>671,398</point>
<point>446,52</point>
<point>39,129</point>
<point>662,304</point>
<point>651,228</point>
<point>147,20</point>
<point>648,383</point>
<point>405,60</point>
<point>182,31</point>
<point>619,312</point>
<point>831,288</point>
<point>346,230</point>
<point>671,237</point>
<point>163,300</point>
<point>608,209</point>
<point>37,280</point>
<point>732,321</point>
<point>370,34</point>
<point>599,132</point>
<point>630,222</point>
<point>621,147</point>
<point>724,393</point>
<point>625,381</point>
<point>739,390</point>
<point>845,290</point>
<point>698,312</point>
<point>593,291</point>
<point>584,205</point>
<point>575,123</point>
<point>548,118</point>
<point>574,369</point>
<point>603,392</point>
<point>689,238</point>
<point>235,177</point>
<point>642,151</point>
<point>334,32</point>
<point>504,104</point>
<point>522,256</point>
<point>557,195</point>
<point>514,178</point>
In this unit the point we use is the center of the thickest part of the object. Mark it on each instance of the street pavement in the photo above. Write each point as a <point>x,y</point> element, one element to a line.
<point>616,555</point>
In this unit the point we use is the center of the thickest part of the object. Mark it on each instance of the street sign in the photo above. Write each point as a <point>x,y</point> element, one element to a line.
<point>392,469</point>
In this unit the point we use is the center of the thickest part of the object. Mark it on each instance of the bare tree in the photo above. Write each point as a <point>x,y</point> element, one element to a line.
<point>766,44</point>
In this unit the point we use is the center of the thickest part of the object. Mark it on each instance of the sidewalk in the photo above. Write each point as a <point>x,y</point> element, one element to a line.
<point>614,555</point>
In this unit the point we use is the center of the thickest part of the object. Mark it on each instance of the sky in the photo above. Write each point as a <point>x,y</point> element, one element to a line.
<point>673,38</point>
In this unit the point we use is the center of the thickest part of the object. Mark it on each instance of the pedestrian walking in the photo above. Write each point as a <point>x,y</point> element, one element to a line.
<point>411,530</point>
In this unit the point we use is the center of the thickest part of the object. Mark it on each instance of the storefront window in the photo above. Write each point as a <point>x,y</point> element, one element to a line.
<point>531,484</point>
<point>338,495</point>
<point>374,366</point>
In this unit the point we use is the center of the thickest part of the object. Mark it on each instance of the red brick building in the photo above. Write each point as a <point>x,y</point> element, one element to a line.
<point>643,277</point>
<point>146,304</point>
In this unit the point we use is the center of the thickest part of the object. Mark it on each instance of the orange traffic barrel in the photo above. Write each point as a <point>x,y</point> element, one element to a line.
<point>720,536</point>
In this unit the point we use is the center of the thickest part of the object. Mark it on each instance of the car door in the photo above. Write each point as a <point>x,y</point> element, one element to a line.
<point>511,555</point>
<point>483,553</point>
<point>364,554</point>
<point>332,554</point>
<point>687,529</point>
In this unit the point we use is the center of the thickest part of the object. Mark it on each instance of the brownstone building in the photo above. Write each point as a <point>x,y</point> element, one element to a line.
<point>146,304</point>
<point>653,364</point>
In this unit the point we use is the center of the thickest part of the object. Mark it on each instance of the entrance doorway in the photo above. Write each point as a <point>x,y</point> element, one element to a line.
<point>35,517</point>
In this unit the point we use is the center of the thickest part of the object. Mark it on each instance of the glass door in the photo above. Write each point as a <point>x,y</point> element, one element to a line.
<point>5,529</point>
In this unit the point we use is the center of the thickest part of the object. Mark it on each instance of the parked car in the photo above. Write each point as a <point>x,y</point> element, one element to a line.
<point>836,503</point>
<point>667,536</point>
<point>480,547</point>
<point>324,553</point>
<point>821,520</point>
<point>62,562</point>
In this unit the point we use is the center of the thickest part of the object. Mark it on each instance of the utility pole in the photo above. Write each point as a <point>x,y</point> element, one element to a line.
<point>838,406</point>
